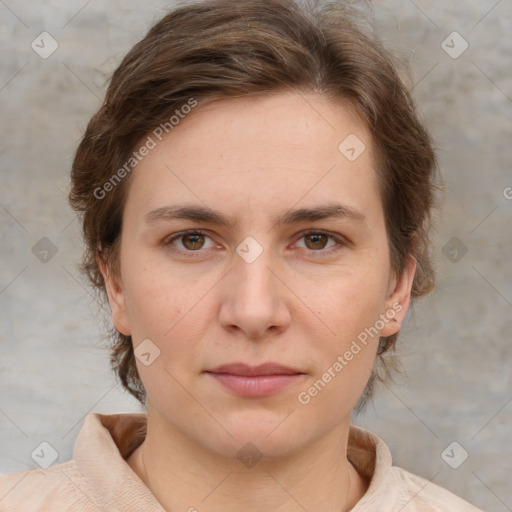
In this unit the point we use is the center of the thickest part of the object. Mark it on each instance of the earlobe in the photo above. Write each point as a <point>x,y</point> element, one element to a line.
<point>116,298</point>
<point>398,301</point>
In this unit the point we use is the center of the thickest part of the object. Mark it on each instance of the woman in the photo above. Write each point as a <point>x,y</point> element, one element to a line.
<point>256,194</point>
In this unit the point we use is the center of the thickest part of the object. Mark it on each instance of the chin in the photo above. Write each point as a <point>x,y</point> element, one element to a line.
<point>270,435</point>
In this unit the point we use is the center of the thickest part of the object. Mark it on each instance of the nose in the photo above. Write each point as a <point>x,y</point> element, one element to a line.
<point>254,299</point>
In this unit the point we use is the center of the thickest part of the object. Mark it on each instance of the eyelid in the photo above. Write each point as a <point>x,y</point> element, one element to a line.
<point>339,239</point>
<point>179,234</point>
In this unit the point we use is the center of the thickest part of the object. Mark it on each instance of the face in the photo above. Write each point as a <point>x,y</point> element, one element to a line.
<point>249,238</point>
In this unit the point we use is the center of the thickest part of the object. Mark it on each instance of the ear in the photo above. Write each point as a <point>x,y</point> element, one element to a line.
<point>399,298</point>
<point>116,298</point>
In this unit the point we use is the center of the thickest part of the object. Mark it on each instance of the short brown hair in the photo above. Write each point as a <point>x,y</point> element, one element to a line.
<point>211,50</point>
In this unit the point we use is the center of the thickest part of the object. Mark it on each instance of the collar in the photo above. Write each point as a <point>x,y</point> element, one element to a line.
<point>105,441</point>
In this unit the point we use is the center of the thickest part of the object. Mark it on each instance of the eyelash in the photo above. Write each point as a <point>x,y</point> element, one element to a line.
<point>340,241</point>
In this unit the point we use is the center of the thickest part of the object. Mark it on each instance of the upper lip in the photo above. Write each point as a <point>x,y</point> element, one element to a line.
<point>248,370</point>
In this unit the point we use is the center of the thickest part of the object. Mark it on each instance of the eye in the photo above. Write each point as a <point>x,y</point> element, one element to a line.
<point>319,241</point>
<point>190,241</point>
<point>313,241</point>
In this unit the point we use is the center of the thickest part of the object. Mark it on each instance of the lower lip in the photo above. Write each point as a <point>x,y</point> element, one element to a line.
<point>255,386</point>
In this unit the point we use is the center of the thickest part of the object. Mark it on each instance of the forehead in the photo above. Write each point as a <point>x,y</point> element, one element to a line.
<point>266,152</point>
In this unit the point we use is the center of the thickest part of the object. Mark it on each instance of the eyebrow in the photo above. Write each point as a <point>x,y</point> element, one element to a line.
<point>207,215</point>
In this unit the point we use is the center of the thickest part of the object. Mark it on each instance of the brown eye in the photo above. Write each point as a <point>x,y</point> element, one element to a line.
<point>320,243</point>
<point>193,241</point>
<point>190,243</point>
<point>316,241</point>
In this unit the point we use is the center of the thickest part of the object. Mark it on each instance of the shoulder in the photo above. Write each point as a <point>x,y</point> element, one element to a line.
<point>392,488</point>
<point>418,494</point>
<point>58,488</point>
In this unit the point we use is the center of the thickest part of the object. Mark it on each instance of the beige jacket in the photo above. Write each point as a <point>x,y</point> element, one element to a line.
<point>99,479</point>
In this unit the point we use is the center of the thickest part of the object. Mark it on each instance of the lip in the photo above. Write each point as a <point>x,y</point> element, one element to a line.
<point>255,381</point>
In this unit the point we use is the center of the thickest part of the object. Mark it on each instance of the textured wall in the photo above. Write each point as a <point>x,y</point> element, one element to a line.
<point>456,347</point>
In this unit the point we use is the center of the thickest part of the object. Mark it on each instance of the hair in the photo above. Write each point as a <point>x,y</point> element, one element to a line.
<point>212,50</point>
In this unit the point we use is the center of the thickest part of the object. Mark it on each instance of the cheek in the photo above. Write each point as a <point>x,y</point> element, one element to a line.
<point>352,301</point>
<point>162,310</point>
<point>157,298</point>
<point>349,307</point>
<point>170,309</point>
<point>345,356</point>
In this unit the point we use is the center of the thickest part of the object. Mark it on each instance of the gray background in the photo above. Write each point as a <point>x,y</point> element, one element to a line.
<point>456,348</point>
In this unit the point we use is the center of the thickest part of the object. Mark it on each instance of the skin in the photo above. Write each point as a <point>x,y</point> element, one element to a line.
<point>300,303</point>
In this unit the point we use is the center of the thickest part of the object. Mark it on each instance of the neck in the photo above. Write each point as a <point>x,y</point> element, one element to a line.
<point>183,475</point>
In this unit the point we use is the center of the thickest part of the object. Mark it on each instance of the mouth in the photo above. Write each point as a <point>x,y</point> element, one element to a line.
<point>255,381</point>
